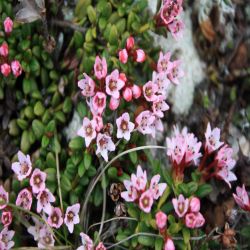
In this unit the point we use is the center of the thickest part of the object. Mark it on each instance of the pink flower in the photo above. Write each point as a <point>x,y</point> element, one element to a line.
<point>164,64</point>
<point>87,243</point>
<point>192,153</point>
<point>123,56</point>
<point>114,103</point>
<point>224,157</point>
<point>139,181</point>
<point>104,144</point>
<point>176,72</point>
<point>99,122</point>
<point>87,85</point>
<point>159,106</point>
<point>127,94</point>
<point>4,197</point>
<point>87,131</point>
<point>24,199</point>
<point>212,139</point>
<point>4,49</point>
<point>156,187</point>
<point>71,217</point>
<point>144,121</point>
<point>124,126</point>
<point>35,230</point>
<point>161,220</point>
<point>46,239</point>
<point>176,28</point>
<point>130,43</point>
<point>99,102</point>
<point>170,10</point>
<point>16,68</point>
<point>6,238</point>
<point>194,220</point>
<point>5,69</point>
<point>8,25</point>
<point>194,204</point>
<point>149,91</point>
<point>140,56</point>
<point>55,217</point>
<point>161,80</point>
<point>100,246</point>
<point>146,201</point>
<point>6,218</point>
<point>44,198</point>
<point>241,198</point>
<point>180,205</point>
<point>226,174</point>
<point>37,181</point>
<point>100,67</point>
<point>136,91</point>
<point>169,244</point>
<point>23,167</point>
<point>131,193</point>
<point>114,84</point>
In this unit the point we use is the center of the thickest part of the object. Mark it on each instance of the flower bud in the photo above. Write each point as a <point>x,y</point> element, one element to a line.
<point>194,205</point>
<point>99,123</point>
<point>130,43</point>
<point>4,50</point>
<point>161,220</point>
<point>114,103</point>
<point>123,77</point>
<point>127,94</point>
<point>6,218</point>
<point>123,56</point>
<point>16,68</point>
<point>140,55</point>
<point>169,244</point>
<point>136,90</point>
<point>8,25</point>
<point>5,69</point>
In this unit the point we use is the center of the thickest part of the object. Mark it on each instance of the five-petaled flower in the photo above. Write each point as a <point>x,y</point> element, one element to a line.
<point>71,216</point>
<point>37,181</point>
<point>87,243</point>
<point>146,201</point>
<point>44,198</point>
<point>87,85</point>
<point>100,67</point>
<point>124,126</point>
<point>212,139</point>
<point>24,199</point>
<point>55,218</point>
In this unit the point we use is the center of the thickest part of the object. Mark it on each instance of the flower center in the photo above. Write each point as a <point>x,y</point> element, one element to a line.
<point>24,168</point>
<point>124,125</point>
<point>70,216</point>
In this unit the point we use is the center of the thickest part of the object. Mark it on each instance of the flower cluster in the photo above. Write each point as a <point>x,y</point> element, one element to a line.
<point>168,17</point>
<point>5,65</point>
<point>87,243</point>
<point>241,198</point>
<point>140,192</point>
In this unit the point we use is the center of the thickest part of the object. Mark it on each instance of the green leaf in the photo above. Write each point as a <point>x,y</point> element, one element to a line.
<point>22,124</point>
<point>159,244</point>
<point>51,174</point>
<point>67,105</point>
<point>186,235</point>
<point>91,14</point>
<point>25,143</point>
<point>133,157</point>
<point>50,160</point>
<point>34,65</point>
<point>66,184</point>
<point>245,231</point>
<point>204,190</point>
<point>133,211</point>
<point>146,240</point>
<point>39,108</point>
<point>192,186</point>
<point>51,127</point>
<point>98,196</point>
<point>113,35</point>
<point>81,8</point>
<point>87,160</point>
<point>76,143</point>
<point>81,169</point>
<point>174,228</point>
<point>164,197</point>
<point>45,141</point>
<point>38,128</point>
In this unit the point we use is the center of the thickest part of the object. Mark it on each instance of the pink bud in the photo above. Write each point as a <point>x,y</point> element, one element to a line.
<point>4,50</point>
<point>123,56</point>
<point>5,69</point>
<point>16,68</point>
<point>140,55</point>
<point>99,123</point>
<point>136,90</point>
<point>161,220</point>
<point>169,244</point>
<point>127,94</point>
<point>8,25</point>
<point>123,77</point>
<point>130,43</point>
<point>6,218</point>
<point>194,205</point>
<point>114,103</point>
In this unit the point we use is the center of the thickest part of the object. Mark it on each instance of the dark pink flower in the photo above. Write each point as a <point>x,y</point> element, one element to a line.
<point>100,68</point>
<point>87,85</point>
<point>146,201</point>
<point>8,25</point>
<point>130,43</point>
<point>6,218</point>
<point>161,220</point>
<point>127,94</point>
<point>16,68</point>
<point>194,204</point>
<point>71,216</point>
<point>44,198</point>
<point>4,197</point>
<point>55,218</point>
<point>24,199</point>
<point>4,49</point>
<point>37,181</point>
<point>5,69</point>
<point>123,56</point>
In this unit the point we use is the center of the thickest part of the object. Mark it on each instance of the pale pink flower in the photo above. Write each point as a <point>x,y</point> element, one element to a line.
<point>8,25</point>
<point>161,220</point>
<point>71,216</point>
<point>114,84</point>
<point>149,91</point>
<point>24,199</point>
<point>169,244</point>
<point>127,94</point>
<point>23,167</point>
<point>100,246</point>
<point>4,197</point>
<point>175,72</point>
<point>130,43</point>
<point>46,239</point>
<point>35,230</point>
<point>176,28</point>
<point>124,126</point>
<point>164,64</point>
<point>5,69</point>
<point>131,193</point>
<point>37,181</point>
<point>157,125</point>
<point>6,237</point>
<point>144,121</point>
<point>146,201</point>
<point>88,130</point>
<point>136,91</point>
<point>139,181</point>
<point>55,218</point>
<point>194,220</point>
<point>87,243</point>
<point>104,144</point>
<point>16,68</point>
<point>192,153</point>
<point>140,55</point>
<point>100,67</point>
<point>226,174</point>
<point>99,122</point>
<point>87,85</point>
<point>4,49</point>
<point>157,188</point>
<point>161,80</point>
<point>224,157</point>
<point>44,198</point>
<point>212,139</point>
<point>6,218</point>
<point>180,205</point>
<point>123,56</point>
<point>160,106</point>
<point>194,204</point>
<point>241,198</point>
<point>99,103</point>
<point>114,103</point>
